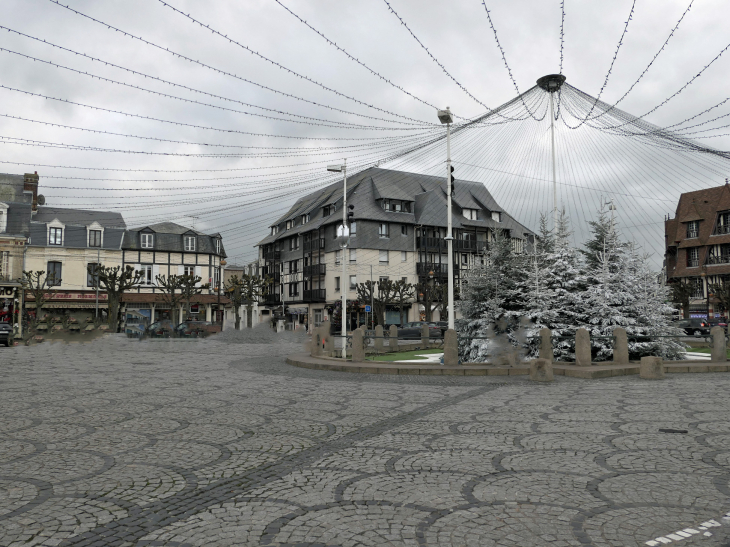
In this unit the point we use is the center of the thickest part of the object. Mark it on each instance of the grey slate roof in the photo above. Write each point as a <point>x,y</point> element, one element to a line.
<point>428,193</point>
<point>79,217</point>
<point>169,238</point>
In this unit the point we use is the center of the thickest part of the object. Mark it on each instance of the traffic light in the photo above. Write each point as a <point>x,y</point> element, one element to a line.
<point>350,213</point>
<point>451,179</point>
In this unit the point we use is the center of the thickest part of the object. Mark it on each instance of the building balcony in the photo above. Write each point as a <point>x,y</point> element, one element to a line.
<point>720,229</point>
<point>272,300</point>
<point>430,243</point>
<point>439,270</point>
<point>272,255</point>
<point>314,270</point>
<point>721,259</point>
<point>315,295</point>
<point>436,243</point>
<point>469,245</point>
<point>314,245</point>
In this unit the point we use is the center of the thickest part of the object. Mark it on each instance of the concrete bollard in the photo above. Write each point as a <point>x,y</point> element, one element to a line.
<point>541,370</point>
<point>620,347</point>
<point>582,348</point>
<point>393,339</point>
<point>451,348</point>
<point>379,339</point>
<point>546,344</point>
<point>358,345</point>
<point>425,336</point>
<point>719,353</point>
<point>651,368</point>
<point>316,345</point>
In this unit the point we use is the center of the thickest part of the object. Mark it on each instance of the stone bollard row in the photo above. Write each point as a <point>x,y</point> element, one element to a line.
<point>651,368</point>
<point>719,351</point>
<point>451,348</point>
<point>358,345</point>
<point>546,344</point>
<point>379,339</point>
<point>425,336</point>
<point>393,340</point>
<point>541,370</point>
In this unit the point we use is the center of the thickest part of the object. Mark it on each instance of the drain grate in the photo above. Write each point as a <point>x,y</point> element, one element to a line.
<point>673,431</point>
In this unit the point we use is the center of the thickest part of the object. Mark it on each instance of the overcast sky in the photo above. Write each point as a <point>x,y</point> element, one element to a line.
<point>457,33</point>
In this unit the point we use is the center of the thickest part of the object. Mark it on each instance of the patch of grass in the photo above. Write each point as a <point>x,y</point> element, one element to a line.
<point>405,355</point>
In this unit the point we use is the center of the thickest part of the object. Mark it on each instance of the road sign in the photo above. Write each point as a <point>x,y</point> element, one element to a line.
<point>367,309</point>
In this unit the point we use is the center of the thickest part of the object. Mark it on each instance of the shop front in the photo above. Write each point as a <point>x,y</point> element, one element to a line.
<point>145,308</point>
<point>11,306</point>
<point>81,306</point>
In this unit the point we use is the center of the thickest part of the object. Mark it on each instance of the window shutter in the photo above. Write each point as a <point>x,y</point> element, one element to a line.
<point>155,273</point>
<point>181,270</point>
<point>198,272</point>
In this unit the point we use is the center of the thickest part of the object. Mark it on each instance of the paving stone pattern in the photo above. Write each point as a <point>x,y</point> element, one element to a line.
<point>217,442</point>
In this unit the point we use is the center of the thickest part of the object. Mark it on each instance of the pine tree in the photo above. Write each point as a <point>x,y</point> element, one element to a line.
<point>490,294</point>
<point>551,288</point>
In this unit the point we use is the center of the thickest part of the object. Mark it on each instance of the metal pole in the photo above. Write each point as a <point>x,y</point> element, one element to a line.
<point>555,184</point>
<point>449,237</point>
<point>372,290</point>
<point>345,281</point>
<point>96,282</point>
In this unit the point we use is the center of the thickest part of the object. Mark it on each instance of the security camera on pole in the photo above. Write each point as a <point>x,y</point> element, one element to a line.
<point>343,237</point>
<point>446,117</point>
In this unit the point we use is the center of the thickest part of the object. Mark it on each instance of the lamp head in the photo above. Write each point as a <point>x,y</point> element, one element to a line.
<point>445,116</point>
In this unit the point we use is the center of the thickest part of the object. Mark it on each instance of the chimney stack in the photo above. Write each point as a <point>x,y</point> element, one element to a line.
<point>30,184</point>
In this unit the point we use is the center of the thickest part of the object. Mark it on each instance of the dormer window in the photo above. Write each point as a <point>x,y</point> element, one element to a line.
<point>305,219</point>
<point>693,229</point>
<point>328,210</point>
<point>146,240</point>
<point>290,224</point>
<point>496,216</point>
<point>274,230</point>
<point>190,243</point>
<point>94,238</point>
<point>55,236</point>
<point>396,206</point>
<point>218,246</point>
<point>471,214</point>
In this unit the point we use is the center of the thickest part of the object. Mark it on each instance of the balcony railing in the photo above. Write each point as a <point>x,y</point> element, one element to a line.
<point>465,245</point>
<point>272,300</point>
<point>314,270</point>
<point>438,243</point>
<point>430,243</point>
<point>315,295</point>
<point>720,229</point>
<point>718,259</point>
<point>314,245</point>
<point>439,270</point>
<point>272,255</point>
<point>693,262</point>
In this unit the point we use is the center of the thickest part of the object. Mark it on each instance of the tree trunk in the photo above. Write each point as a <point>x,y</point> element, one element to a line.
<point>113,303</point>
<point>249,316</point>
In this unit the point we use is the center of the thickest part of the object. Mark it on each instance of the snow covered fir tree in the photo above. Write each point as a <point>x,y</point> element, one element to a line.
<point>508,297</point>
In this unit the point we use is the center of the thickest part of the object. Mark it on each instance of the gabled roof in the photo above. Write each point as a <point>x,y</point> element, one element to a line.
<point>168,228</point>
<point>79,217</point>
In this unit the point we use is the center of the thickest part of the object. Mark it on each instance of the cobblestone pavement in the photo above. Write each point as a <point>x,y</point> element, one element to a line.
<point>214,443</point>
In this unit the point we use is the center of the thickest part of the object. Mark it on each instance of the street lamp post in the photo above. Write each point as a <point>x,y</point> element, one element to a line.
<point>446,117</point>
<point>343,234</point>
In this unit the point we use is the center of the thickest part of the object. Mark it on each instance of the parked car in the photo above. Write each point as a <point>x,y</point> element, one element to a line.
<point>160,329</point>
<point>196,329</point>
<point>720,322</point>
<point>443,325</point>
<point>412,330</point>
<point>6,334</point>
<point>695,327</point>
